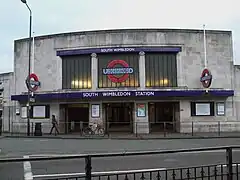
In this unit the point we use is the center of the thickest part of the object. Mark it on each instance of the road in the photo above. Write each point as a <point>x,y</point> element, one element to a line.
<point>51,147</point>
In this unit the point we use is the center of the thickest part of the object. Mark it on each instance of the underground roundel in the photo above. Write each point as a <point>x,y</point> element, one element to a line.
<point>206,78</point>
<point>118,71</point>
<point>32,82</point>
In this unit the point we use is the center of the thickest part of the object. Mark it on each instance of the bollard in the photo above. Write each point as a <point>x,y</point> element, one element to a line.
<point>1,126</point>
<point>107,129</point>
<point>12,128</point>
<point>164,129</point>
<point>81,128</point>
<point>32,128</point>
<point>136,130</point>
<point>192,128</point>
<point>219,128</point>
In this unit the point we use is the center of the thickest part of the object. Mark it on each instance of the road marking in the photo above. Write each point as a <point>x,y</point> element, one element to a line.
<point>184,153</point>
<point>57,175</point>
<point>43,140</point>
<point>27,169</point>
<point>54,155</point>
<point>201,152</point>
<point>28,140</point>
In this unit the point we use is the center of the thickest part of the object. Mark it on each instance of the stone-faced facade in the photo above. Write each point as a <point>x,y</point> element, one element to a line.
<point>142,67</point>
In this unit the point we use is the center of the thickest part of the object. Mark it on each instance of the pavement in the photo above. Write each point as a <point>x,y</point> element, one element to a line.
<point>122,136</point>
<point>43,147</point>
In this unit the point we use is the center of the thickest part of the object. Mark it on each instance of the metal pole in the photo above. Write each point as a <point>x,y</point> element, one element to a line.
<point>10,106</point>
<point>88,168</point>
<point>192,129</point>
<point>33,51</point>
<point>205,46</point>
<point>29,69</point>
<point>229,163</point>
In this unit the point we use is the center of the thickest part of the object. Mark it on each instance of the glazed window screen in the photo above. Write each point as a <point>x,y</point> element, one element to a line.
<point>211,109</point>
<point>161,70</point>
<point>76,72</point>
<point>132,59</point>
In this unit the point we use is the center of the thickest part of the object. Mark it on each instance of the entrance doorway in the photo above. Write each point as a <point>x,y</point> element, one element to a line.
<point>119,117</point>
<point>78,117</point>
<point>163,116</point>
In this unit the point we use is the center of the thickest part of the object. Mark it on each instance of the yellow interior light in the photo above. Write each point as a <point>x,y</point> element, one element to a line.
<point>147,84</point>
<point>164,82</point>
<point>81,84</point>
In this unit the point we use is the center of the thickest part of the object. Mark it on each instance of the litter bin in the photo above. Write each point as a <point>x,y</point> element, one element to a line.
<point>38,129</point>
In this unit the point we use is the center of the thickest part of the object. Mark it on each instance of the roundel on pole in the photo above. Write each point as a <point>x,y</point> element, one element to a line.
<point>32,82</point>
<point>118,71</point>
<point>206,78</point>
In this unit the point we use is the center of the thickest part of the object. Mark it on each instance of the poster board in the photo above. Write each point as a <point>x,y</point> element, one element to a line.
<point>95,110</point>
<point>141,110</point>
<point>203,109</point>
<point>24,112</point>
<point>39,111</point>
<point>220,108</point>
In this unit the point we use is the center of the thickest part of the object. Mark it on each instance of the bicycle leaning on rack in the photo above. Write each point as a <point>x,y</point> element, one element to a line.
<point>93,129</point>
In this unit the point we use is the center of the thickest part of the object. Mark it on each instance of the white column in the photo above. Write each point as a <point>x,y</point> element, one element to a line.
<point>181,77</point>
<point>142,69</point>
<point>94,71</point>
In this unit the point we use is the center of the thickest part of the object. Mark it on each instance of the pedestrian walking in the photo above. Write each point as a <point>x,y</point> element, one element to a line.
<point>54,125</point>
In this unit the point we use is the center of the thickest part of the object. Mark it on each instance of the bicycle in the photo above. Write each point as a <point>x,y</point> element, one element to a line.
<point>93,129</point>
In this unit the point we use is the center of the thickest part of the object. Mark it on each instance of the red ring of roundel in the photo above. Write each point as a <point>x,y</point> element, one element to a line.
<point>34,76</point>
<point>114,78</point>
<point>208,84</point>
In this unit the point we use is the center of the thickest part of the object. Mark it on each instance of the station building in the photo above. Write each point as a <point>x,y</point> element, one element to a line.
<point>130,80</point>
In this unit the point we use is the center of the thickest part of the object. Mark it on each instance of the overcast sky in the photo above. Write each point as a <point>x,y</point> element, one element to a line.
<point>55,16</point>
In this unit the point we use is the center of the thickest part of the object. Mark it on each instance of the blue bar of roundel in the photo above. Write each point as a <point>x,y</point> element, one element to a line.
<point>79,95</point>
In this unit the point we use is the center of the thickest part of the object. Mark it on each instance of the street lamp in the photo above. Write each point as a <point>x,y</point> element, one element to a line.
<point>29,65</point>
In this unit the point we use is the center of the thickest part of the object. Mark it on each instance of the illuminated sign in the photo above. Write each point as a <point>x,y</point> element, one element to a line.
<point>32,82</point>
<point>206,78</point>
<point>118,74</point>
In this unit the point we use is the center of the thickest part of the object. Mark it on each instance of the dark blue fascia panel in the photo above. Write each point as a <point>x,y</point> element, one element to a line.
<point>48,96</point>
<point>117,50</point>
<point>136,94</point>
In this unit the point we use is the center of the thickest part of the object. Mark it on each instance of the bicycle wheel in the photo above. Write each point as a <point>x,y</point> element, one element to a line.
<point>87,131</point>
<point>101,132</point>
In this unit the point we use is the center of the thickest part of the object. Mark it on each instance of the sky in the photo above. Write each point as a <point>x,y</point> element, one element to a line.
<point>56,16</point>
